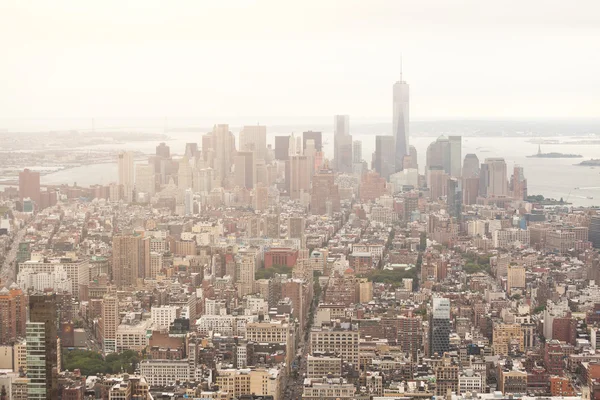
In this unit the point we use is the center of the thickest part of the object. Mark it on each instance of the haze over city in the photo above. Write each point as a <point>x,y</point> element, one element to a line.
<point>273,200</point>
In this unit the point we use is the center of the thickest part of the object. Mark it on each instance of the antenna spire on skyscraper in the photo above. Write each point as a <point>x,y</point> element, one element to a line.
<point>400,67</point>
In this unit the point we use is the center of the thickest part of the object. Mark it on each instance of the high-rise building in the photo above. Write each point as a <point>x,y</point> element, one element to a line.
<point>518,184</point>
<point>29,186</point>
<point>110,322</point>
<point>455,156</point>
<point>188,201</point>
<point>128,260</point>
<point>324,193</point>
<point>191,150</point>
<point>342,150</point>
<point>145,179</point>
<point>184,174</point>
<point>357,151</point>
<point>42,347</point>
<point>470,166</point>
<point>162,150</point>
<point>454,198</point>
<point>13,314</point>
<point>282,147</point>
<point>372,186</point>
<point>245,169</point>
<point>224,148</point>
<point>438,155</point>
<point>254,138</point>
<point>497,183</point>
<point>594,232</point>
<point>400,123</point>
<point>296,227</point>
<point>470,189</point>
<point>439,326</point>
<point>515,278</point>
<point>299,176</point>
<point>311,135</point>
<point>384,159</point>
<point>484,179</point>
<point>126,181</point>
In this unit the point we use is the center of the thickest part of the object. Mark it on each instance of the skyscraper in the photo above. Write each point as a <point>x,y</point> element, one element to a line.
<point>128,260</point>
<point>224,146</point>
<point>470,166</point>
<point>400,128</point>
<point>455,156</point>
<point>324,192</point>
<point>497,183</point>
<point>145,179</point>
<point>439,326</point>
<point>245,169</point>
<point>110,321</point>
<point>42,347</point>
<point>188,201</point>
<point>357,151</point>
<point>594,233</point>
<point>282,147</point>
<point>518,183</point>
<point>342,142</point>
<point>384,156</point>
<point>29,185</point>
<point>162,150</point>
<point>125,164</point>
<point>254,138</point>
<point>299,178</point>
<point>316,136</point>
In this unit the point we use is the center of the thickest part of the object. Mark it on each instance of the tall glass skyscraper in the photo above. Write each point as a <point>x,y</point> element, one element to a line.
<point>400,122</point>
<point>439,325</point>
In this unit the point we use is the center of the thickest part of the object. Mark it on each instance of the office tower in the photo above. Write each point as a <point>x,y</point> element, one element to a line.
<point>310,153</point>
<point>191,150</point>
<point>128,260</point>
<point>437,182</point>
<point>470,166</point>
<point>292,150</point>
<point>324,192</point>
<point>29,186</point>
<point>438,155</point>
<point>518,184</point>
<point>455,156</point>
<point>13,314</point>
<point>254,138</point>
<point>188,202</point>
<point>337,340</point>
<point>497,181</point>
<point>184,174</point>
<point>282,147</point>
<point>384,160</point>
<point>299,179</point>
<point>110,322</point>
<point>470,190</point>
<point>342,142</point>
<point>145,179</point>
<point>244,169</point>
<point>125,164</point>
<point>400,122</point>
<point>454,198</point>
<point>311,135</point>
<point>439,327</point>
<point>162,150</point>
<point>224,147</point>
<point>42,347</point>
<point>296,227</point>
<point>484,179</point>
<point>411,204</point>
<point>414,163</point>
<point>357,151</point>
<point>594,232</point>
<point>446,377</point>
<point>261,197</point>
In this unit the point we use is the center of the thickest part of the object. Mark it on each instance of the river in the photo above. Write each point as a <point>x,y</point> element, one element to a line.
<point>554,178</point>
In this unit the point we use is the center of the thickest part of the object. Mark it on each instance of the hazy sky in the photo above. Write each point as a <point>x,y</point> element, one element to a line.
<point>150,59</point>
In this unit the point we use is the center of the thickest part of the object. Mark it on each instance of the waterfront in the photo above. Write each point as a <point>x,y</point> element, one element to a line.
<point>553,178</point>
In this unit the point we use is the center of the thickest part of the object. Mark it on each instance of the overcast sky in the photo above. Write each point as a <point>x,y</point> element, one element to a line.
<point>150,59</point>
